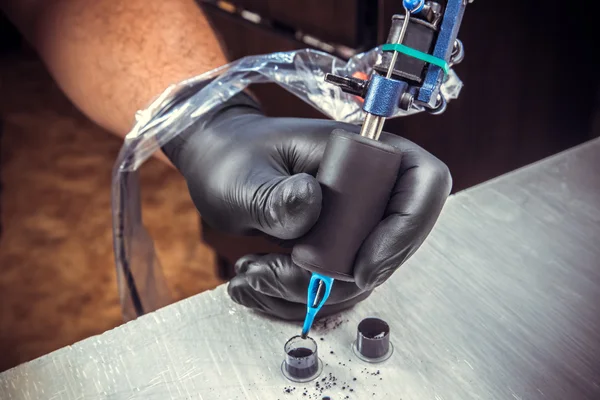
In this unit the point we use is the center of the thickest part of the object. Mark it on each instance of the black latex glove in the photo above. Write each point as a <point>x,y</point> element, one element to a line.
<point>248,173</point>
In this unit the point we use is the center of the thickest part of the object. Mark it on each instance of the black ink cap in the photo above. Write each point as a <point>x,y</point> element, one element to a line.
<point>373,340</point>
<point>301,363</point>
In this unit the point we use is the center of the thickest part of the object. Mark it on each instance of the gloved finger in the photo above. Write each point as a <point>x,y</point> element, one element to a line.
<point>420,192</point>
<point>288,205</point>
<point>242,263</point>
<point>300,151</point>
<point>275,275</point>
<point>242,293</point>
<point>256,187</point>
<point>286,208</point>
<point>261,200</point>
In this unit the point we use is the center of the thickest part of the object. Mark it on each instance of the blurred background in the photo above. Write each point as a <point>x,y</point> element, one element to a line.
<point>531,90</point>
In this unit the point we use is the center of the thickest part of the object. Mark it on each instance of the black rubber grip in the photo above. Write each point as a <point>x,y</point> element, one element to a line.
<point>357,176</point>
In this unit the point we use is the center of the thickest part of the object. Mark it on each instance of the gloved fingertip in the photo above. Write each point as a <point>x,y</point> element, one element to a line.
<point>368,279</point>
<point>363,284</point>
<point>297,206</point>
<point>241,265</point>
<point>236,288</point>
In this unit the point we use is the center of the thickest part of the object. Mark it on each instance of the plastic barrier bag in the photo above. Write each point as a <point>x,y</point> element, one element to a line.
<point>142,286</point>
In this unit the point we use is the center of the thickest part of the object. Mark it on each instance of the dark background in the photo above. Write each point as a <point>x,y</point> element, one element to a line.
<point>530,75</point>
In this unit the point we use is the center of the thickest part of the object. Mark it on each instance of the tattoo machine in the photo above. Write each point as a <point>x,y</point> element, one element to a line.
<point>358,172</point>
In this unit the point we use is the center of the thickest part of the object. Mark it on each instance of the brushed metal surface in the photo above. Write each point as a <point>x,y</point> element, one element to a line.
<point>502,302</point>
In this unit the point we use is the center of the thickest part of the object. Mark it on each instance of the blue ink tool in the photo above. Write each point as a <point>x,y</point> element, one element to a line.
<point>319,289</point>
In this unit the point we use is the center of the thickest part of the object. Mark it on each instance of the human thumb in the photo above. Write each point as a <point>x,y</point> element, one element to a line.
<point>287,209</point>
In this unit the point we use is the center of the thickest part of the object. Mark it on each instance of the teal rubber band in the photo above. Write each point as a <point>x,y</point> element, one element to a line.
<point>409,51</point>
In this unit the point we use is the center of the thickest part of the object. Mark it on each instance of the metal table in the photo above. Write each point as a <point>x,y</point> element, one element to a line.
<point>502,302</point>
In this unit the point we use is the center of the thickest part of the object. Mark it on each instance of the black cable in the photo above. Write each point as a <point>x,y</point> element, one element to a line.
<point>121,254</point>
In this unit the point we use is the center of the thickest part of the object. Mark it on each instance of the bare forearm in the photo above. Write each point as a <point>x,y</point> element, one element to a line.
<point>112,57</point>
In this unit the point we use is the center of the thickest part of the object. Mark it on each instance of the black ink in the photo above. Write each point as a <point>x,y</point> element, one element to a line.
<point>373,338</point>
<point>300,352</point>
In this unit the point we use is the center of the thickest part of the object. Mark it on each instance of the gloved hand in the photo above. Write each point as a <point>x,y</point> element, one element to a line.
<point>248,173</point>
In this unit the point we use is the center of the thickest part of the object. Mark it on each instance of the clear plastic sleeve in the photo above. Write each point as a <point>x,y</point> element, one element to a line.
<point>142,286</point>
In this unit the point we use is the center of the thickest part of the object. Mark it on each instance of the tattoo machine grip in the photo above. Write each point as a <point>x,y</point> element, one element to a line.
<point>357,176</point>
